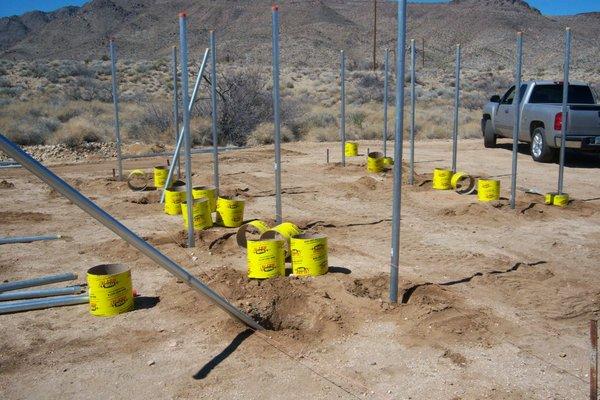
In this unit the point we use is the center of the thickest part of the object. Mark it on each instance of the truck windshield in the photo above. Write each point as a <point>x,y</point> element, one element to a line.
<point>553,94</point>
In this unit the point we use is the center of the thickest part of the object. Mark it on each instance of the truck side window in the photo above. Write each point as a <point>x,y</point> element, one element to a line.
<point>509,96</point>
<point>553,94</point>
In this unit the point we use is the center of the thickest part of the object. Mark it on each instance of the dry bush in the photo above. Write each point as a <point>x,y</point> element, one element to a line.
<point>264,133</point>
<point>79,130</point>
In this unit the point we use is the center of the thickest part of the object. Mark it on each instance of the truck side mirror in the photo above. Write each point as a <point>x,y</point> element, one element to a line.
<point>495,99</point>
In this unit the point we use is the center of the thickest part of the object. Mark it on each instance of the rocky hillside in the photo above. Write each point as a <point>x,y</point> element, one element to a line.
<point>313,31</point>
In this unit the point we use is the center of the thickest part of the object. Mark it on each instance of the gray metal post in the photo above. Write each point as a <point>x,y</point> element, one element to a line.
<point>113,69</point>
<point>413,78</point>
<point>121,230</point>
<point>385,100</point>
<point>517,122</point>
<point>175,158</point>
<point>399,129</point>
<point>44,280</point>
<point>213,102</point>
<point>565,110</point>
<point>343,105</point>
<point>186,126</point>
<point>176,104</point>
<point>276,116</point>
<point>456,106</point>
<point>38,304</point>
<point>34,294</point>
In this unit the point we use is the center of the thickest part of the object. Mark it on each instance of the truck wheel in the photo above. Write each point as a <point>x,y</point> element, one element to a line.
<point>540,151</point>
<point>489,136</point>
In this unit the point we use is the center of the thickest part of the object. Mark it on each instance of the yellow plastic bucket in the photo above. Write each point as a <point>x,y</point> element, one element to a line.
<point>463,183</point>
<point>561,200</point>
<point>160,176</point>
<point>266,258</point>
<point>209,192</point>
<point>255,227</point>
<point>442,179</point>
<point>283,231</point>
<point>137,180</point>
<point>110,289</point>
<point>173,198</point>
<point>488,190</point>
<point>549,198</point>
<point>201,214</point>
<point>230,212</point>
<point>375,162</point>
<point>388,162</point>
<point>309,254</point>
<point>351,149</point>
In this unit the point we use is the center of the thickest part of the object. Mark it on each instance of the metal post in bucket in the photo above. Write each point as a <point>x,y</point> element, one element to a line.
<point>276,113</point>
<point>186,123</point>
<point>175,105</point>
<point>213,101</point>
<point>565,110</point>
<point>456,105</point>
<point>413,57</point>
<point>399,128</point>
<point>517,122</point>
<point>113,69</point>
<point>343,105</point>
<point>385,100</point>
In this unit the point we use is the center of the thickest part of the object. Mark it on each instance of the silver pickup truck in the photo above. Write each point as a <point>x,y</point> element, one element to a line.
<point>542,119</point>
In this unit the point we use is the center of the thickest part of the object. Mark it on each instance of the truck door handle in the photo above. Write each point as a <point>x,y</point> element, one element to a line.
<point>506,111</point>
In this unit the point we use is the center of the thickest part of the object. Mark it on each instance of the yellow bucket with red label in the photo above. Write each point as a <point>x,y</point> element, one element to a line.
<point>200,214</point>
<point>210,192</point>
<point>266,258</point>
<point>309,254</point>
<point>442,179</point>
<point>375,162</point>
<point>488,190</point>
<point>250,230</point>
<point>561,200</point>
<point>160,176</point>
<point>110,290</point>
<point>230,212</point>
<point>173,198</point>
<point>284,231</point>
<point>351,149</point>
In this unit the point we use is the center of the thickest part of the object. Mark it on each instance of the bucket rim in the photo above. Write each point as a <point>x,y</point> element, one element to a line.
<point>108,269</point>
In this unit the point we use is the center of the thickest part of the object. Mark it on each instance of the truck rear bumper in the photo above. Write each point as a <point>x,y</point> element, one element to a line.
<point>586,143</point>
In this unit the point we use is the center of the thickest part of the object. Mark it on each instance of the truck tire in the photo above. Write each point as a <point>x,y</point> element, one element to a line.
<point>540,151</point>
<point>489,136</point>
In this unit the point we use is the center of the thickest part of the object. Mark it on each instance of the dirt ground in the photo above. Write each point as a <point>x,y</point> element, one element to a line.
<point>495,303</point>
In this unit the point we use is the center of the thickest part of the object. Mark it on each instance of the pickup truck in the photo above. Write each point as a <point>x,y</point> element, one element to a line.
<point>542,119</point>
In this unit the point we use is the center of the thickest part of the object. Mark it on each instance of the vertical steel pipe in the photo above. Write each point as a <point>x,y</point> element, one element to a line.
<point>176,157</point>
<point>517,122</point>
<point>276,113</point>
<point>413,78</point>
<point>565,110</point>
<point>385,100</point>
<point>115,94</point>
<point>33,294</point>
<point>343,105</point>
<point>399,130</point>
<point>119,229</point>
<point>44,280</point>
<point>213,102</point>
<point>456,106</point>
<point>593,360</point>
<point>186,126</point>
<point>176,104</point>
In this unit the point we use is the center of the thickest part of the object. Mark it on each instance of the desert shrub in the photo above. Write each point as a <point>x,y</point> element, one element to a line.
<point>77,131</point>
<point>87,89</point>
<point>155,120</point>
<point>264,133</point>
<point>357,119</point>
<point>32,129</point>
<point>320,120</point>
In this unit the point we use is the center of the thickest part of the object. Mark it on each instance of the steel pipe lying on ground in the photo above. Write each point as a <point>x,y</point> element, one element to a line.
<point>38,304</point>
<point>34,294</point>
<point>44,280</point>
<point>27,239</point>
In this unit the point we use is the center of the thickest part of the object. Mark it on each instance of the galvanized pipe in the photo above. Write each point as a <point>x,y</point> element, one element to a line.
<point>517,122</point>
<point>456,106</point>
<point>38,304</point>
<point>343,105</point>
<point>413,57</point>
<point>44,280</point>
<point>33,294</point>
<point>399,129</point>
<point>186,126</point>
<point>593,359</point>
<point>565,110</point>
<point>121,230</point>
<point>213,102</point>
<point>115,94</point>
<point>27,239</point>
<point>276,113</point>
<point>177,151</point>
<point>176,103</point>
<point>385,100</point>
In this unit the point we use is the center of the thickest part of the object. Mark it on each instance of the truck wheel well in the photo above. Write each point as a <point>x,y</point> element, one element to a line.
<point>534,125</point>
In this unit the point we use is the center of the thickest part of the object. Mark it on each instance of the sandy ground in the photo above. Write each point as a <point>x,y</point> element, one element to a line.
<point>495,302</point>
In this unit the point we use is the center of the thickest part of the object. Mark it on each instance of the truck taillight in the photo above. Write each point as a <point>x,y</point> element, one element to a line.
<point>558,122</point>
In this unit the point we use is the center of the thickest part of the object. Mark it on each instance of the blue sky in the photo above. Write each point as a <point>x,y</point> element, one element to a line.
<point>550,7</point>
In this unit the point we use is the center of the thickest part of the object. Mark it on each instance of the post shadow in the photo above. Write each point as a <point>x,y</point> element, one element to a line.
<point>222,356</point>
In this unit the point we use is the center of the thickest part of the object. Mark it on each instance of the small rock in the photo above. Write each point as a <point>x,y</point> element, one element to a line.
<point>563,355</point>
<point>151,362</point>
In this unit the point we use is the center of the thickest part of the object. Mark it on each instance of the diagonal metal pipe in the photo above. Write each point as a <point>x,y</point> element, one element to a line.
<point>121,230</point>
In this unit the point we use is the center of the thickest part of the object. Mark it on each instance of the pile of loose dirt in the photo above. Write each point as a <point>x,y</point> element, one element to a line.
<point>4,184</point>
<point>9,217</point>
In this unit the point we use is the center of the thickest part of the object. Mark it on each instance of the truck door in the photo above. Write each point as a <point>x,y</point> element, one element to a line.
<point>505,117</point>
